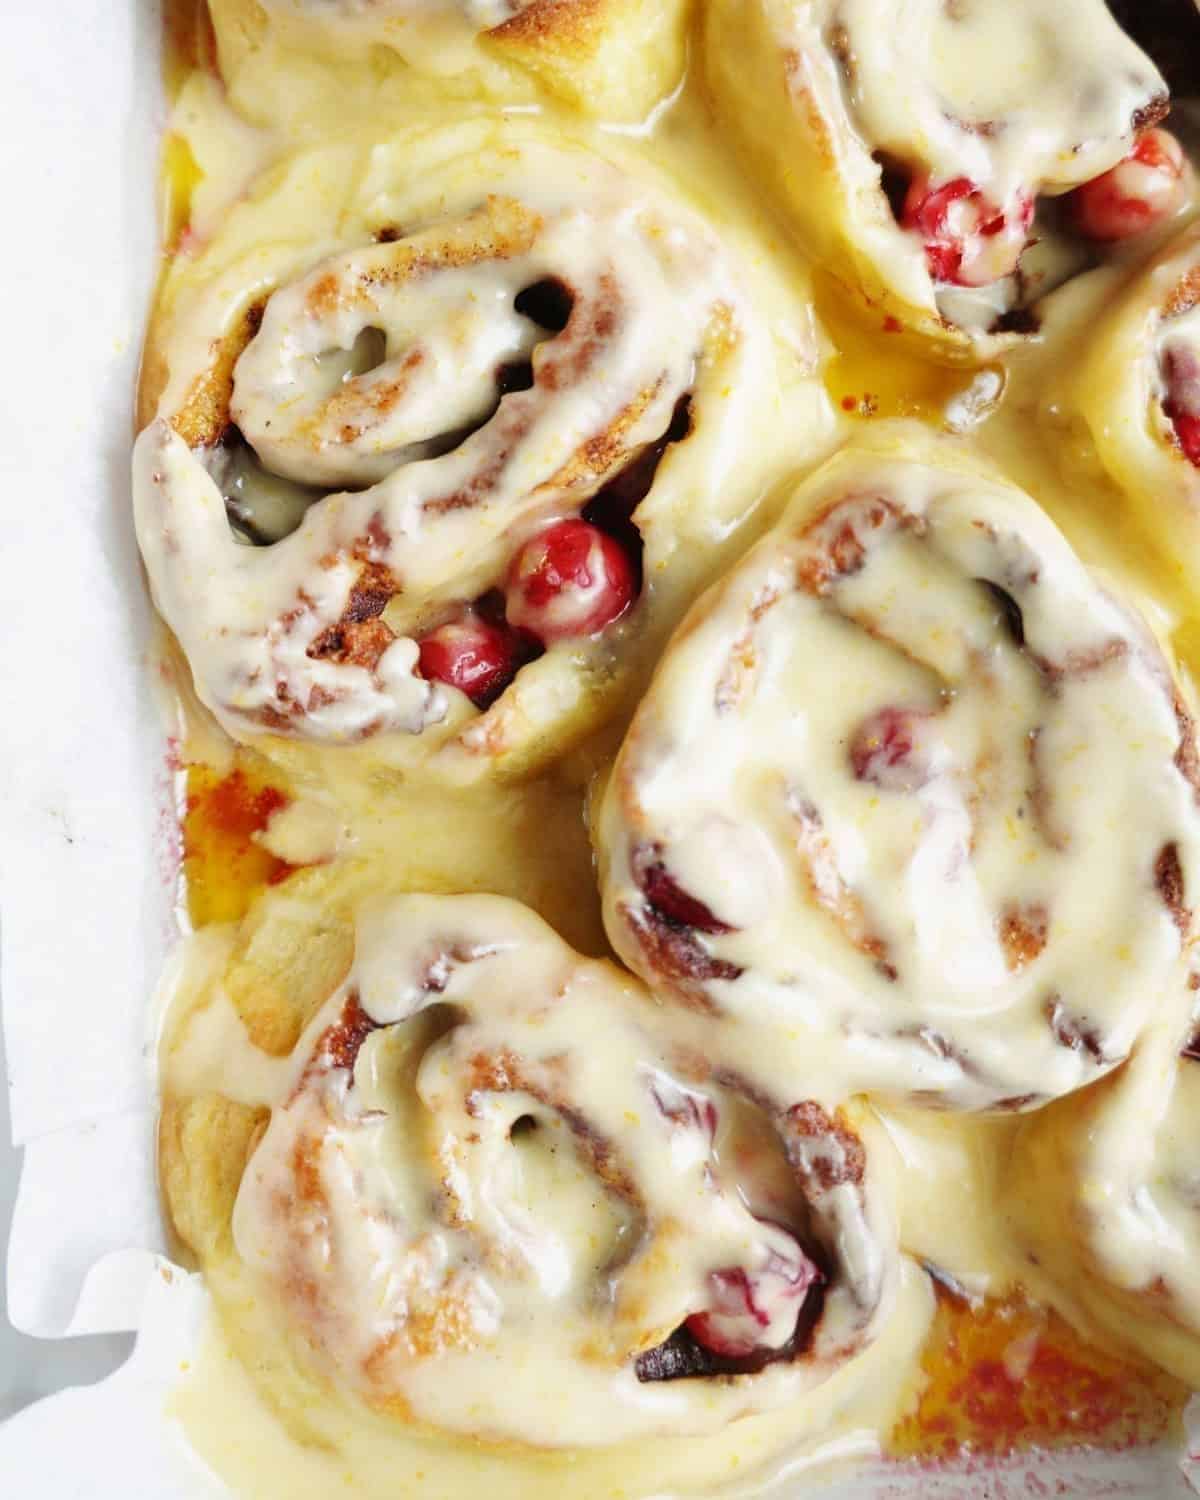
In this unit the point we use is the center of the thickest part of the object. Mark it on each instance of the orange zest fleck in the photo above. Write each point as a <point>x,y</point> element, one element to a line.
<point>224,866</point>
<point>1009,1375</point>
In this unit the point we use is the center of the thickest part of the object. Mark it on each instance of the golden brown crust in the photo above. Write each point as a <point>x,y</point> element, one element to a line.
<point>203,1146</point>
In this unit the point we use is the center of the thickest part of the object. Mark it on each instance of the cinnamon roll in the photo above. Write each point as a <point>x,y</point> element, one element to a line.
<point>447,432</point>
<point>912,790</point>
<point>612,58</point>
<point>920,151</point>
<point>1139,391</point>
<point>499,1192</point>
<point>1118,1162</point>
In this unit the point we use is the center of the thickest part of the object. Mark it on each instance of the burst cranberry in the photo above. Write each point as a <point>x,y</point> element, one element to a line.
<point>1181,374</point>
<point>684,1107</point>
<point>670,900</point>
<point>470,654</point>
<point>569,580</point>
<point>1139,192</point>
<point>969,240</point>
<point>751,1310</point>
<point>888,750</point>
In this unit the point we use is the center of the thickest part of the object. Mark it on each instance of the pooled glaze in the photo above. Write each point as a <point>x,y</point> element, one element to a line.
<point>913,781</point>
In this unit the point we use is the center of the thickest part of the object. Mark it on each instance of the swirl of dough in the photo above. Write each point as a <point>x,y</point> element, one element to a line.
<point>1118,1161</point>
<point>910,144</point>
<point>501,1192</point>
<point>911,781</point>
<point>514,337</point>
<point>1138,389</point>
<point>614,59</point>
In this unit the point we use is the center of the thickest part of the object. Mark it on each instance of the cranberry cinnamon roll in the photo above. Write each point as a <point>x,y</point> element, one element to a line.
<point>1139,391</point>
<point>500,1193</point>
<point>611,58</point>
<point>912,790</point>
<point>1118,1162</point>
<point>435,466</point>
<point>923,153</point>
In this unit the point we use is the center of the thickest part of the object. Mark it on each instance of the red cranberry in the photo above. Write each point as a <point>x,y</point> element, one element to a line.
<point>669,898</point>
<point>969,240</point>
<point>746,1305</point>
<point>569,580</point>
<point>1187,430</point>
<point>886,749</point>
<point>1181,372</point>
<point>1139,192</point>
<point>472,655</point>
<point>683,1106</point>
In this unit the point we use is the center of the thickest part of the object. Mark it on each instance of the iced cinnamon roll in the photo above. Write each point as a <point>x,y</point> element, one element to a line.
<point>1139,391</point>
<point>446,432</point>
<point>1118,1163</point>
<point>914,791</point>
<point>500,1192</point>
<point>611,58</point>
<point>923,153</point>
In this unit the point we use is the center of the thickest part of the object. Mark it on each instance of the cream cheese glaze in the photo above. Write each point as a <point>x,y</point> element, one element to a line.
<point>912,781</point>
<point>912,101</point>
<point>657,354</point>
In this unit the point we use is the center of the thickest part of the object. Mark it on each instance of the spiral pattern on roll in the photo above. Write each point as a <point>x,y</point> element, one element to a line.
<point>913,783</point>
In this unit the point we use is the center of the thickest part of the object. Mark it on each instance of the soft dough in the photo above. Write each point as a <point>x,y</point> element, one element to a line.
<point>611,58</point>
<point>913,789</point>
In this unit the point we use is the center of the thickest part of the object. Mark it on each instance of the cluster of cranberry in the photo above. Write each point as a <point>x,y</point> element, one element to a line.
<point>971,241</point>
<point>569,581</point>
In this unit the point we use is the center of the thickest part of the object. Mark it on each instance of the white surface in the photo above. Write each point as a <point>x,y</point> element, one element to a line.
<point>85,865</point>
<point>84,898</point>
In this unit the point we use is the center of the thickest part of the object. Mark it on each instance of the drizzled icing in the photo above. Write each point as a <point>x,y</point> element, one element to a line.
<point>497,1185</point>
<point>315,636</point>
<point>910,780</point>
<point>1014,100</point>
